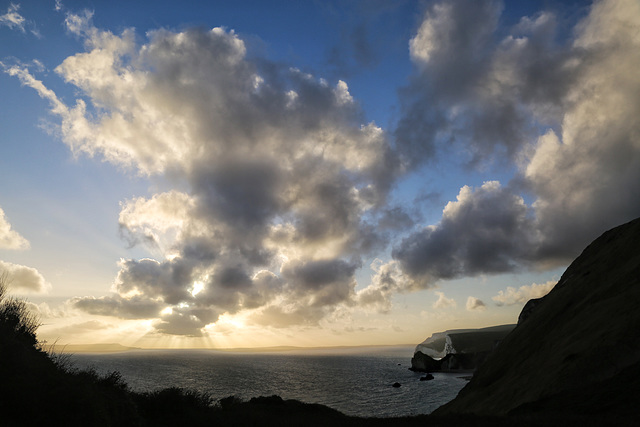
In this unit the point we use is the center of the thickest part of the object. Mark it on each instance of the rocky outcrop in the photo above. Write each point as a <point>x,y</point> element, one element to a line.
<point>551,363</point>
<point>457,349</point>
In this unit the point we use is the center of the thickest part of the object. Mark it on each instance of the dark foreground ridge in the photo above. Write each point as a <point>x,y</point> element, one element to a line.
<point>574,352</point>
<point>573,359</point>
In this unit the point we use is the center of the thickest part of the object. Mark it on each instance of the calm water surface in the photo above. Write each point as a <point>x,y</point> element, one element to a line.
<point>353,381</point>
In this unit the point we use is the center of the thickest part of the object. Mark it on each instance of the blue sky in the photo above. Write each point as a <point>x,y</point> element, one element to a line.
<point>307,173</point>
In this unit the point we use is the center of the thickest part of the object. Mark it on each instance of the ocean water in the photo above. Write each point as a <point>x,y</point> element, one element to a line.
<point>354,381</point>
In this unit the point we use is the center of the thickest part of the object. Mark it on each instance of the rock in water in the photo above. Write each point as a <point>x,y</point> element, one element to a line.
<point>576,350</point>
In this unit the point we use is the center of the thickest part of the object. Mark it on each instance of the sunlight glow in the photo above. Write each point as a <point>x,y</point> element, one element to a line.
<point>197,288</point>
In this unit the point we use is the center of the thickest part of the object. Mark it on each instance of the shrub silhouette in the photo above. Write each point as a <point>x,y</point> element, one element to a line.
<point>16,320</point>
<point>35,390</point>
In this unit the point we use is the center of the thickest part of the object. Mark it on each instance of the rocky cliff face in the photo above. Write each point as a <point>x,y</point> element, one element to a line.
<point>553,362</point>
<point>457,349</point>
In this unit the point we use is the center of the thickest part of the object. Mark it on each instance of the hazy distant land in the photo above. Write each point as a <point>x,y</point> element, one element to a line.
<point>92,348</point>
<point>116,348</point>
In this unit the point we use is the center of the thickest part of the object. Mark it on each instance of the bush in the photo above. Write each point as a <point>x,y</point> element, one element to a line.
<point>15,317</point>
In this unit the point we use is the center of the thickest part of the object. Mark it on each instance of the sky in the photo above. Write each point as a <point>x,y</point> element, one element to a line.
<point>249,173</point>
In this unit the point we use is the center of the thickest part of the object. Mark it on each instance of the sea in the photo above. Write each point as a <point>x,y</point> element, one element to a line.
<point>355,381</point>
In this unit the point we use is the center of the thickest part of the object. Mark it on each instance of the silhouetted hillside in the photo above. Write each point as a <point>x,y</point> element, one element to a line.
<point>576,351</point>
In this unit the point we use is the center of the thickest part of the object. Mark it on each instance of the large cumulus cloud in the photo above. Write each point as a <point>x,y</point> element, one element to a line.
<point>281,182</point>
<point>565,113</point>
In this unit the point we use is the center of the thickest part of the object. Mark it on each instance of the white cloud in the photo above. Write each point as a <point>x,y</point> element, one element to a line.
<point>45,311</point>
<point>475,304</point>
<point>9,238</point>
<point>23,278</point>
<point>12,18</point>
<point>444,302</point>
<point>387,281</point>
<point>523,294</point>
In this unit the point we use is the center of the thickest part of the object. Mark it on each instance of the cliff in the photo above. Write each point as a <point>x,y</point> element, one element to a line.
<point>575,351</point>
<point>457,348</point>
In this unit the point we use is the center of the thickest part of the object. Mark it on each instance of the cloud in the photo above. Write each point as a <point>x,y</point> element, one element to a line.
<point>585,174</point>
<point>179,323</point>
<point>487,230</point>
<point>23,278</point>
<point>444,302</point>
<point>45,311</point>
<point>282,183</point>
<point>321,282</point>
<point>474,304</point>
<point>395,219</point>
<point>563,113</point>
<point>387,281</point>
<point>477,94</point>
<point>12,18</point>
<point>523,294</point>
<point>280,190</point>
<point>135,307</point>
<point>89,328</point>
<point>452,51</point>
<point>10,239</point>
